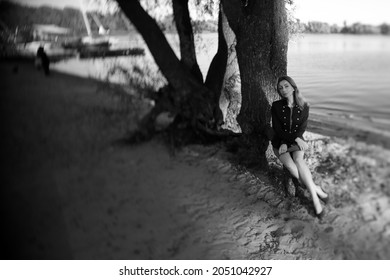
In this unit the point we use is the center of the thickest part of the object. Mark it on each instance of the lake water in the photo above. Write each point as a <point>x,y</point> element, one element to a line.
<point>340,75</point>
<point>343,74</point>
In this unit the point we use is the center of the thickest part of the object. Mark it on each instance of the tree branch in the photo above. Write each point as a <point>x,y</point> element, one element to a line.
<point>184,29</point>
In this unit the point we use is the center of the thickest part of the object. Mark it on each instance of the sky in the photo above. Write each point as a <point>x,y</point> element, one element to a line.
<point>336,11</point>
<point>373,12</point>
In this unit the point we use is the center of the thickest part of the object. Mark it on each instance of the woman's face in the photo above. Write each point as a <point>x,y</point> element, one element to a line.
<point>285,89</point>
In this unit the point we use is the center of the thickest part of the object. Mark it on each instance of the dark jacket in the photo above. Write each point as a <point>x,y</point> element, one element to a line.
<point>288,125</point>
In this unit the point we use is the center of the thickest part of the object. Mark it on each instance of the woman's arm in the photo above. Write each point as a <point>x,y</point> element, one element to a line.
<point>302,128</point>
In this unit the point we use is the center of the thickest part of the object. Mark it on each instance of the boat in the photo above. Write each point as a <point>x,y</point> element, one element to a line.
<point>93,42</point>
<point>99,45</point>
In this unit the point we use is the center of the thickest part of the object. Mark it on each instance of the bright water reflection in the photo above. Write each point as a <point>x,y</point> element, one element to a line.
<point>343,74</point>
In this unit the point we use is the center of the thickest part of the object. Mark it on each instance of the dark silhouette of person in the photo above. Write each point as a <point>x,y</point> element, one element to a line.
<point>43,60</point>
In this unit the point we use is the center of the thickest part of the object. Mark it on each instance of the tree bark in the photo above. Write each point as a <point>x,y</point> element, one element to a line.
<point>216,72</point>
<point>186,36</point>
<point>230,100</point>
<point>262,38</point>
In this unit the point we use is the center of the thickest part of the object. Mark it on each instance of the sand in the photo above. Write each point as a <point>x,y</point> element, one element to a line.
<point>74,190</point>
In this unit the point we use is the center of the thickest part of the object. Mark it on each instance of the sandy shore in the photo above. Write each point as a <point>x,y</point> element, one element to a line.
<point>73,191</point>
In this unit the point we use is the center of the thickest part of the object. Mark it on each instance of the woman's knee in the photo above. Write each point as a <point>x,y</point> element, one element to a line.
<point>287,162</point>
<point>300,163</point>
<point>298,157</point>
<point>291,167</point>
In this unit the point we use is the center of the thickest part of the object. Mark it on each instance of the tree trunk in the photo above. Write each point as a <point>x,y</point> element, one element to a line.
<point>230,100</point>
<point>190,99</point>
<point>260,29</point>
<point>216,72</point>
<point>174,71</point>
<point>186,36</point>
<point>262,38</point>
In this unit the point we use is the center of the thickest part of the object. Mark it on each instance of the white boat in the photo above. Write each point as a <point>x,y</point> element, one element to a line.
<point>93,41</point>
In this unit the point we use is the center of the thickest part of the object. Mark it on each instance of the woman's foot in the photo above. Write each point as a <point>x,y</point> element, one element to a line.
<point>318,207</point>
<point>321,214</point>
<point>321,194</point>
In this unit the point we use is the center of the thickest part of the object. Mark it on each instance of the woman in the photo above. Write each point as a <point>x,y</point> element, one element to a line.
<point>289,121</point>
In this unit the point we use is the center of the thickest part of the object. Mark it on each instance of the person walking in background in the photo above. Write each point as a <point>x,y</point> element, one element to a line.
<point>42,60</point>
<point>289,121</point>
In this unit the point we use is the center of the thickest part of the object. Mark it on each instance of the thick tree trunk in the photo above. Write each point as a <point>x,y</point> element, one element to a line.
<point>186,36</point>
<point>216,72</point>
<point>261,31</point>
<point>230,100</point>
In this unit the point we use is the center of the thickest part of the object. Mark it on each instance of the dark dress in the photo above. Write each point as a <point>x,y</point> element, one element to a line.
<point>288,124</point>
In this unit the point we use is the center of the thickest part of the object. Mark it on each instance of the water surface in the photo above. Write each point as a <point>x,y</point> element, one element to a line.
<point>340,75</point>
<point>343,74</point>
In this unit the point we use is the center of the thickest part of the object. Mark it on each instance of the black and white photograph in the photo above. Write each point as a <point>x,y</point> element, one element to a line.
<point>195,130</point>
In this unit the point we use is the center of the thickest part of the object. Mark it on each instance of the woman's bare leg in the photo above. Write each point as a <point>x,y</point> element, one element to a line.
<point>307,179</point>
<point>288,162</point>
<point>321,193</point>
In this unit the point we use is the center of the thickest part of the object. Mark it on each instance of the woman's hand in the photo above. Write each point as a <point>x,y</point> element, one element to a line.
<point>302,144</point>
<point>282,149</point>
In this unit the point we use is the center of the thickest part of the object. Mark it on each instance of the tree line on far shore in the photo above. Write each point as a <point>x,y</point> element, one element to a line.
<point>326,28</point>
